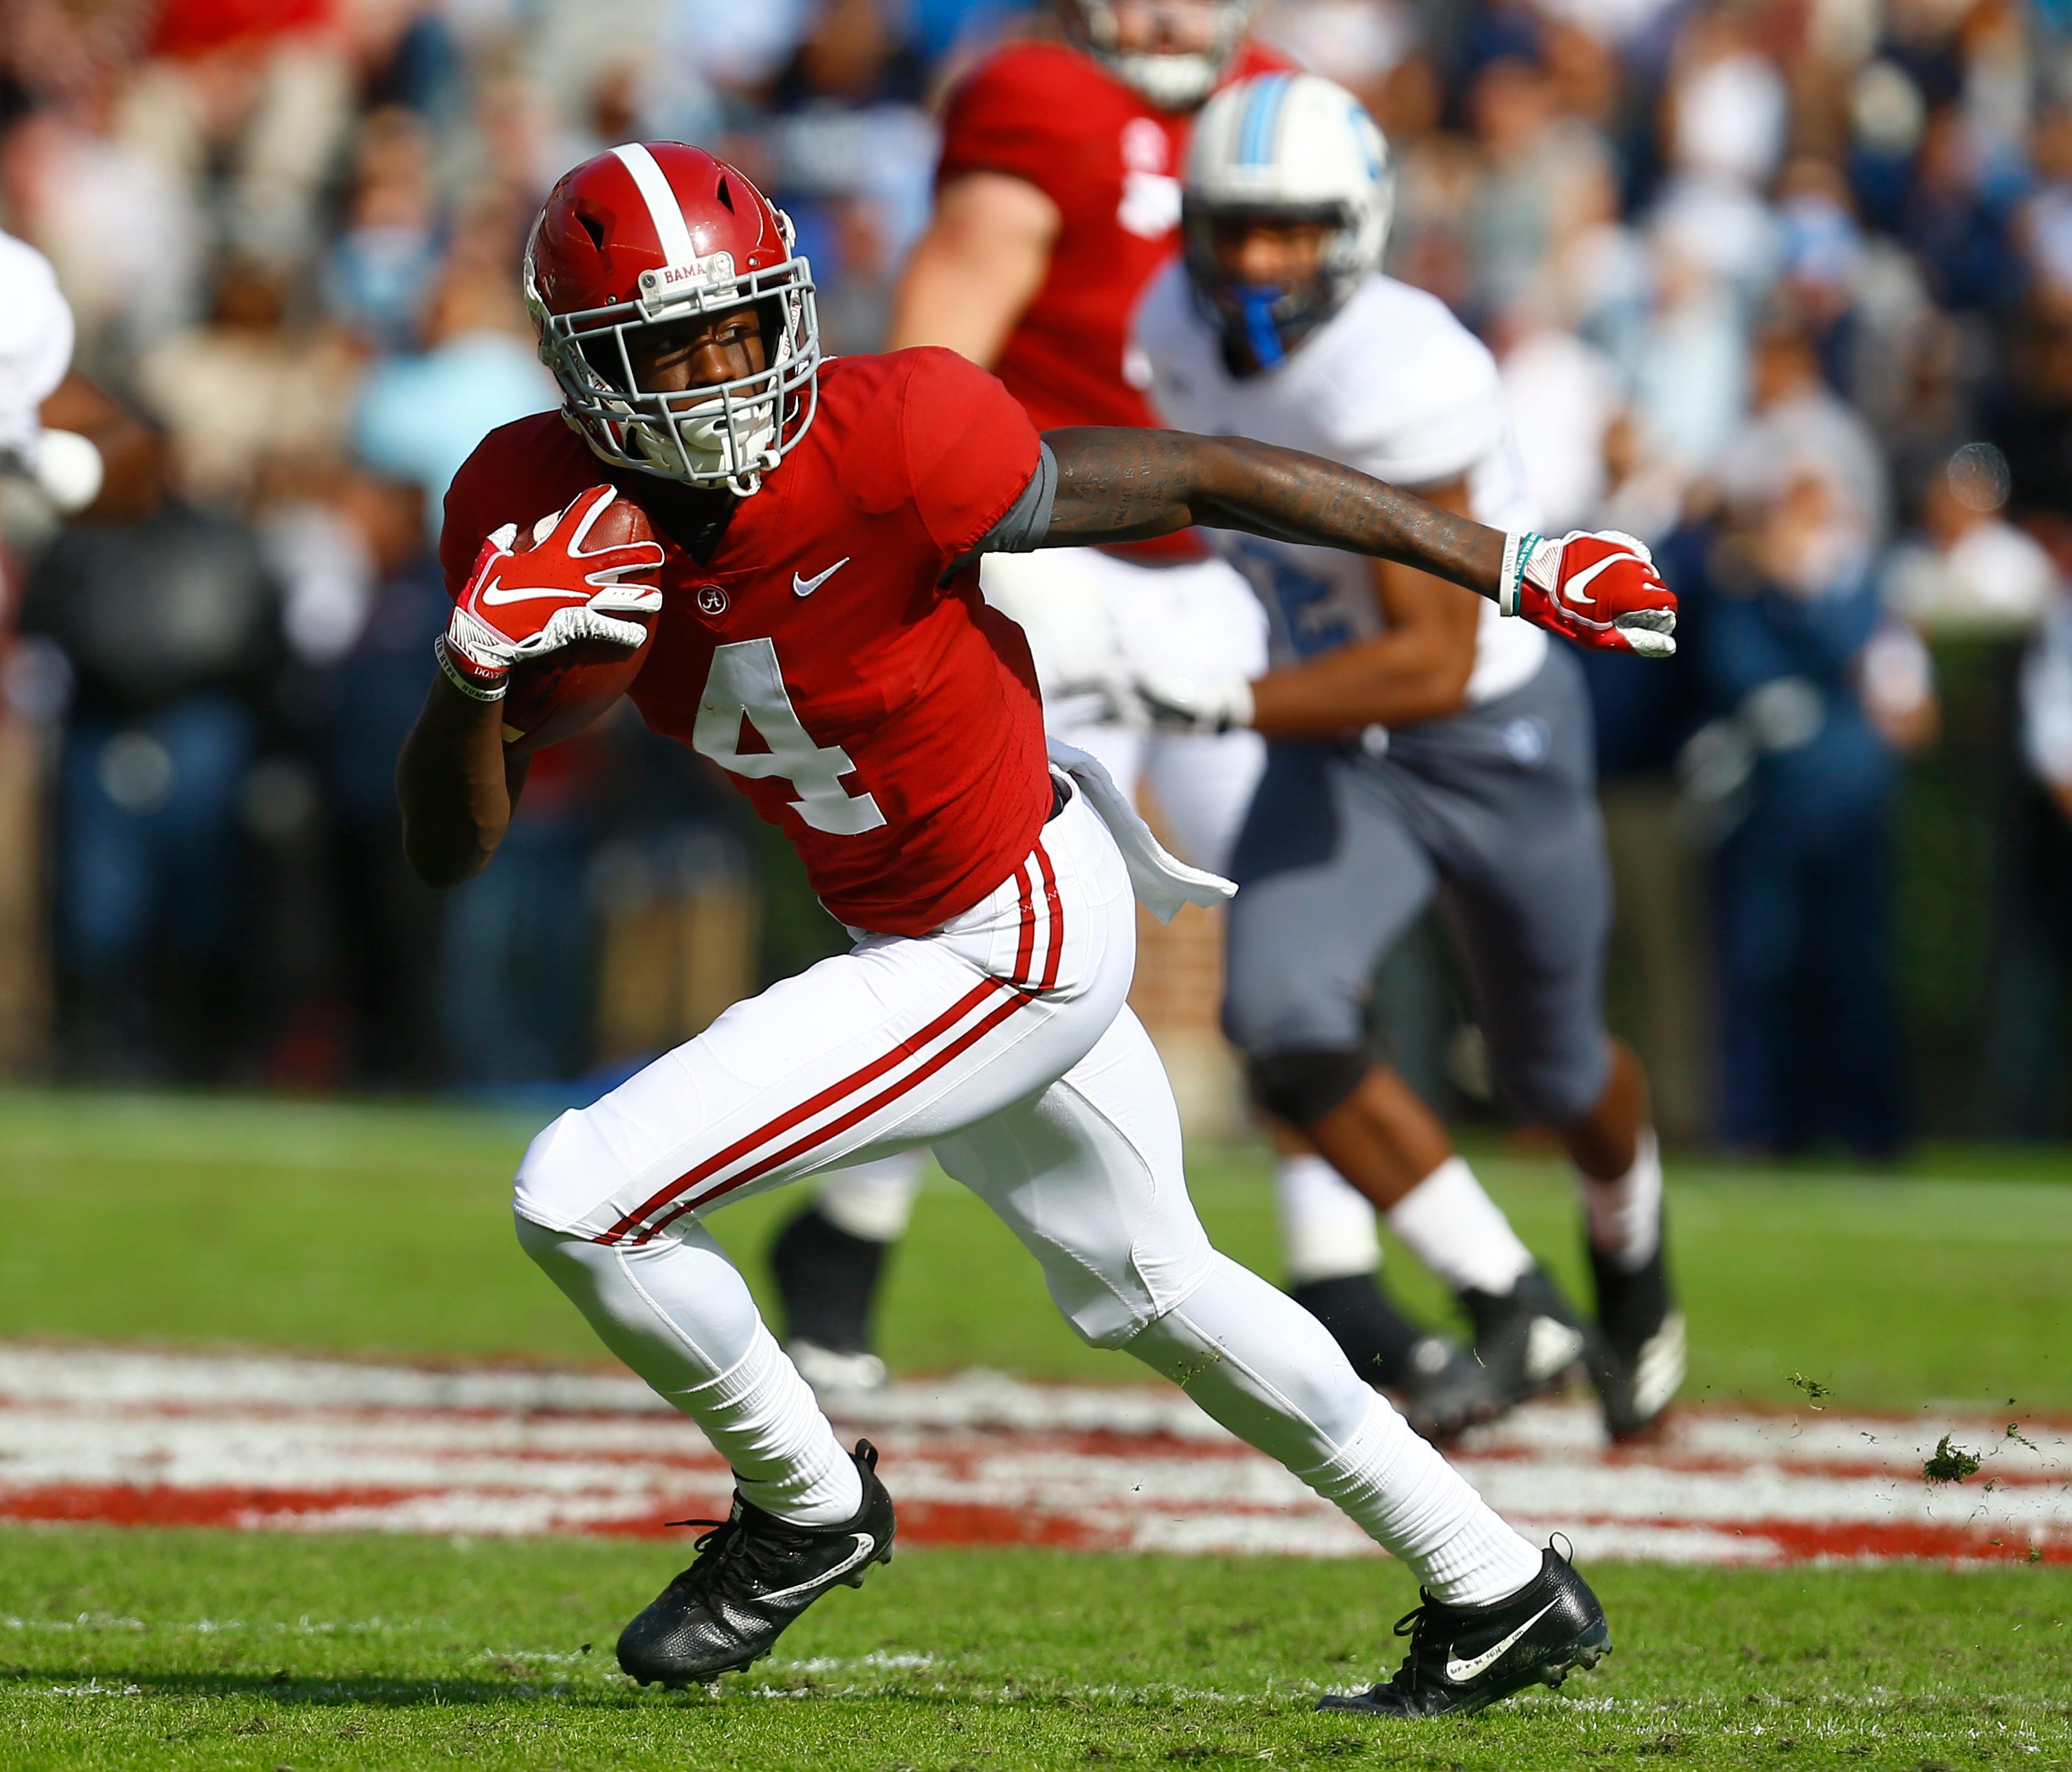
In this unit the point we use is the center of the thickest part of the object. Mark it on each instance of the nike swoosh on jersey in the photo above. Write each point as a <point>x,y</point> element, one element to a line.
<point>496,595</point>
<point>866,1546</point>
<point>1461,1671</point>
<point>805,587</point>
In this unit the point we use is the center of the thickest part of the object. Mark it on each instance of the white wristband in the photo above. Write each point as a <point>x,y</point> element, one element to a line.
<point>459,678</point>
<point>1517,555</point>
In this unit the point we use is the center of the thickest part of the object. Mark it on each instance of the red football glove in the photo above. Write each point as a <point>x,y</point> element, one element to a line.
<point>1599,590</point>
<point>521,602</point>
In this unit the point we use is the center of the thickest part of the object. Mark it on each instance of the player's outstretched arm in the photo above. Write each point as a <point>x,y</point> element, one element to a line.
<point>1117,485</point>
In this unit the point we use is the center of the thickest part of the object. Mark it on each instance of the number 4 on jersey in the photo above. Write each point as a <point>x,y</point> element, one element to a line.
<point>745,683</point>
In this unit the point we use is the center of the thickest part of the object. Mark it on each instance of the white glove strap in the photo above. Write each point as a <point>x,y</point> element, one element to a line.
<point>460,680</point>
<point>1518,552</point>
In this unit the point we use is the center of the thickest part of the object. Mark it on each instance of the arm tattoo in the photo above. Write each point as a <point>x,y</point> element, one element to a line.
<point>1119,485</point>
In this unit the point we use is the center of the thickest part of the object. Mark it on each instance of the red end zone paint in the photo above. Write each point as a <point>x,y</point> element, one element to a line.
<point>263,1444</point>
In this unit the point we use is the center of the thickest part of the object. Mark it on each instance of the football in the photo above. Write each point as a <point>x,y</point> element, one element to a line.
<point>555,697</point>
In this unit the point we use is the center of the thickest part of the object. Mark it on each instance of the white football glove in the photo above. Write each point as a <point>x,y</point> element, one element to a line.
<point>1168,703</point>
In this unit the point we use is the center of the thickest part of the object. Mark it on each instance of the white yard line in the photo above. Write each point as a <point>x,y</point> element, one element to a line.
<point>280,1443</point>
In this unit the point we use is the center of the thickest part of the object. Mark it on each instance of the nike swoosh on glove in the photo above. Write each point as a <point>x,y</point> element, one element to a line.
<point>1598,588</point>
<point>522,601</point>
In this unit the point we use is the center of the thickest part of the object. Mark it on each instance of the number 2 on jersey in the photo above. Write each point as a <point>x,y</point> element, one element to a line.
<point>745,683</point>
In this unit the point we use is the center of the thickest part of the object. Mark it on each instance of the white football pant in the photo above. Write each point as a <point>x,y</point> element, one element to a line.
<point>1092,617</point>
<point>1002,1040</point>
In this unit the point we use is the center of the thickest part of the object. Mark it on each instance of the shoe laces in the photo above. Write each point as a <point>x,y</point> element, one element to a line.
<point>1425,1662</point>
<point>1425,1665</point>
<point>735,1559</point>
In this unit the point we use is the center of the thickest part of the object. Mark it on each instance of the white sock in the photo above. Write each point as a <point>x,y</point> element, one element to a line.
<point>763,1419</point>
<point>874,1200</point>
<point>1258,1363</point>
<point>1458,1232</point>
<point>1624,1215</point>
<point>678,1312</point>
<point>1414,1504</point>
<point>1327,1228</point>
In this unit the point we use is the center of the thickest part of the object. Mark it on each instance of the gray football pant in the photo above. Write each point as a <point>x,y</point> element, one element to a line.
<point>1494,811</point>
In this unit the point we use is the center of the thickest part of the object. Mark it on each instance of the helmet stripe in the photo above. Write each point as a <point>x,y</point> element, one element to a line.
<point>663,209</point>
<point>1262,115</point>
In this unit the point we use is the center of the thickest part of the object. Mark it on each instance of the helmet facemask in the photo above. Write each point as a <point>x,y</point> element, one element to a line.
<point>1174,80</point>
<point>722,435</point>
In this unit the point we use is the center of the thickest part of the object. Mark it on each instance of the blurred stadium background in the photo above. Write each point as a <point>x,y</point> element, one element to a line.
<point>1784,286</point>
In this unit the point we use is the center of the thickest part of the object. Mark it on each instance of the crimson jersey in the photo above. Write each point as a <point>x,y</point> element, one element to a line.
<point>888,723</point>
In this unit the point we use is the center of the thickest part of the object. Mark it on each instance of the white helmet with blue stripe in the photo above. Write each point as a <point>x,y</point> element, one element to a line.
<point>1282,148</point>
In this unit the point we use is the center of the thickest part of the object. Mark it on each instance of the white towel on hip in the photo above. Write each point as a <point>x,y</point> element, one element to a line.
<point>1162,882</point>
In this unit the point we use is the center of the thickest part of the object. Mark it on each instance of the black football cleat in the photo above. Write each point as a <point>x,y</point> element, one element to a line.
<point>827,1281</point>
<point>1637,1355</point>
<point>753,1575</point>
<point>1463,1657</point>
<point>1527,1339</point>
<point>1441,1389</point>
<point>1363,1321</point>
<point>1444,1390</point>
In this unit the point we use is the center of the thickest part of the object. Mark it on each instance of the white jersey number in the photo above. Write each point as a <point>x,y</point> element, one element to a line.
<point>745,683</point>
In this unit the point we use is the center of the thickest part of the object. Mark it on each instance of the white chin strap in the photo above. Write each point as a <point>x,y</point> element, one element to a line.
<point>1172,83</point>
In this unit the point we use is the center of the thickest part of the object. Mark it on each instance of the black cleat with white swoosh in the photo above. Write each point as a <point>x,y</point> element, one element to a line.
<point>753,1575</point>
<point>1462,1657</point>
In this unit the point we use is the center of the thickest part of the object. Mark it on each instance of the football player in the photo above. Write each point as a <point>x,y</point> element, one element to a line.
<point>1417,744</point>
<point>817,632</point>
<point>1057,196</point>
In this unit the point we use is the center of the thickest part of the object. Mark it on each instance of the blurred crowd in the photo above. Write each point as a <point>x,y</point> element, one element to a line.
<point>1783,287</point>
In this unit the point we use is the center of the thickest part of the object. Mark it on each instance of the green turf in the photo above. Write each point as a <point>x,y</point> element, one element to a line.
<point>200,1650</point>
<point>386,1229</point>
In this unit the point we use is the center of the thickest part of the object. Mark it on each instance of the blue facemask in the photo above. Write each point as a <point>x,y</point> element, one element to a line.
<point>1256,303</point>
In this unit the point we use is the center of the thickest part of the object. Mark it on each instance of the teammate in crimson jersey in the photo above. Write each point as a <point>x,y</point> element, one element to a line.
<point>819,635</point>
<point>1057,198</point>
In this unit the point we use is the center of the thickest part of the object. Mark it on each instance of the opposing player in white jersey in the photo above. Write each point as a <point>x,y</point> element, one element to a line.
<point>1417,745</point>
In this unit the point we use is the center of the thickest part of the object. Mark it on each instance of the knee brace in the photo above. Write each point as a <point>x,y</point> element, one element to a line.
<point>1303,1086</point>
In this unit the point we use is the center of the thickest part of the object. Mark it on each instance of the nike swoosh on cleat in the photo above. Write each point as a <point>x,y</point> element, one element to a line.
<point>1550,1347</point>
<point>866,1546</point>
<point>805,587</point>
<point>1460,1671</point>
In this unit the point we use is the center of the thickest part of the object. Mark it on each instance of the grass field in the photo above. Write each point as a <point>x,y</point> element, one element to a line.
<point>203,1650</point>
<point>385,1230</point>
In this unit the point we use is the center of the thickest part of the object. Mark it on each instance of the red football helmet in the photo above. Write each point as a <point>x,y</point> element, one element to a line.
<point>648,235</point>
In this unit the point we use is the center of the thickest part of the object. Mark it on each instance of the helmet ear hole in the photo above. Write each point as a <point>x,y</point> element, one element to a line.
<point>601,355</point>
